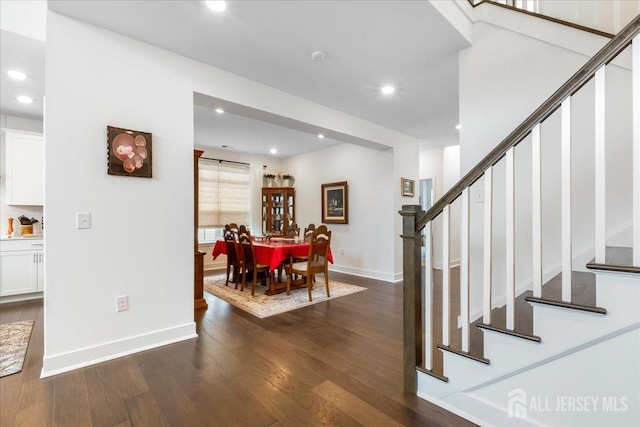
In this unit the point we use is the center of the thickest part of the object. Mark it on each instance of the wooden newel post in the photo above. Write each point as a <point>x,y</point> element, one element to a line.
<point>412,296</point>
<point>198,257</point>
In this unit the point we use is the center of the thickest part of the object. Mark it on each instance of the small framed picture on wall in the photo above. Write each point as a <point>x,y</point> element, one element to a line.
<point>408,187</point>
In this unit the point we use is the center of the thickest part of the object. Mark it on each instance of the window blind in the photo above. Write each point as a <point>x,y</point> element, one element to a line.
<point>224,193</point>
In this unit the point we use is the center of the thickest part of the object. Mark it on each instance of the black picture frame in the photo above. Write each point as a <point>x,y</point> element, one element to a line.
<point>129,152</point>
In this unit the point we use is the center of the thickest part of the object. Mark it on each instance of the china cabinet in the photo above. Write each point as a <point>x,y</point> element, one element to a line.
<point>278,210</point>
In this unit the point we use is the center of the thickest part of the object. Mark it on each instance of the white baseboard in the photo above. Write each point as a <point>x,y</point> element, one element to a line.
<point>22,297</point>
<point>452,264</point>
<point>378,275</point>
<point>59,363</point>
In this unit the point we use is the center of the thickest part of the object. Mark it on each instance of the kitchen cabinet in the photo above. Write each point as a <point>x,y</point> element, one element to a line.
<point>24,166</point>
<point>21,266</point>
<point>278,210</point>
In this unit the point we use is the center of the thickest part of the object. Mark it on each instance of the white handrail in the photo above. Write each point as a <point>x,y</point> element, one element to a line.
<point>428,299</point>
<point>536,210</point>
<point>566,198</point>
<point>488,240</point>
<point>636,148</point>
<point>600,156</point>
<point>446,273</point>
<point>510,239</point>
<point>464,270</point>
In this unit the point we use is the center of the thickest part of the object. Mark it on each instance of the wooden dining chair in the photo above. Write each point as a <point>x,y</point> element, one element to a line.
<point>317,260</point>
<point>234,256</point>
<point>293,230</point>
<point>306,237</point>
<point>308,232</point>
<point>249,262</point>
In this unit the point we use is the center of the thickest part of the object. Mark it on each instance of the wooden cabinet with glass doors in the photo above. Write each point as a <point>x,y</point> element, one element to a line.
<point>278,210</point>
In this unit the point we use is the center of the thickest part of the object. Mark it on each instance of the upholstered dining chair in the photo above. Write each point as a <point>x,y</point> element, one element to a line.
<point>249,261</point>
<point>234,256</point>
<point>317,260</point>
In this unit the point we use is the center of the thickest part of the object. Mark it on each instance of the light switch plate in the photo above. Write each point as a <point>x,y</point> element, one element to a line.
<point>83,220</point>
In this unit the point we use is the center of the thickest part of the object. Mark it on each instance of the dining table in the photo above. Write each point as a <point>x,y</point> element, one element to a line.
<point>273,252</point>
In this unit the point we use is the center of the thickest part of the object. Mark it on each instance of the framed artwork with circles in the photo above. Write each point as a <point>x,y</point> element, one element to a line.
<point>129,152</point>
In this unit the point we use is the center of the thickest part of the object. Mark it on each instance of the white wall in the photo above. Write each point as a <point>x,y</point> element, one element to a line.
<point>6,211</point>
<point>140,243</point>
<point>503,79</point>
<point>368,239</point>
<point>27,18</point>
<point>605,15</point>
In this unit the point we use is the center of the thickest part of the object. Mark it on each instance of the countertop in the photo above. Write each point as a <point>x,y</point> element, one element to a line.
<point>34,237</point>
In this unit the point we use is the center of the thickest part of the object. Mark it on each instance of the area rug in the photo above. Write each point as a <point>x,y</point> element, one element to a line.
<point>14,340</point>
<point>261,305</point>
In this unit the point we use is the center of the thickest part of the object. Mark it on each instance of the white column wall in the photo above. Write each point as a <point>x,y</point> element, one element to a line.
<point>140,243</point>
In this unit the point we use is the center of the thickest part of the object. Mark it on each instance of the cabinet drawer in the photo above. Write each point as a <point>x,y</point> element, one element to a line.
<point>21,244</point>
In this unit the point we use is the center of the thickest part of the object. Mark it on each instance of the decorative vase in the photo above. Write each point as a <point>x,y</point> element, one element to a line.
<point>269,182</point>
<point>10,229</point>
<point>286,182</point>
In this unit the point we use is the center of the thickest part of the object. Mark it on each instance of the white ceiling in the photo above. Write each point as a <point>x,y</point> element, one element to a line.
<point>27,55</point>
<point>367,44</point>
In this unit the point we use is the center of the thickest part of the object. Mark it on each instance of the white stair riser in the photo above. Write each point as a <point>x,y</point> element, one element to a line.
<point>507,351</point>
<point>562,328</point>
<point>620,295</point>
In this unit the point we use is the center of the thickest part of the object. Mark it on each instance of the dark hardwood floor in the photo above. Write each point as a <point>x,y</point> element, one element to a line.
<point>332,363</point>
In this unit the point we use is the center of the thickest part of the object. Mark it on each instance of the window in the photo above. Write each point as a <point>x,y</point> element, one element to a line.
<point>224,197</point>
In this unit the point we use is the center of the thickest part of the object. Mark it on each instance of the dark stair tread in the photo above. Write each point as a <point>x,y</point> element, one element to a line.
<point>433,374</point>
<point>582,293</point>
<point>468,355</point>
<point>569,305</point>
<point>583,288</point>
<point>616,259</point>
<point>513,333</point>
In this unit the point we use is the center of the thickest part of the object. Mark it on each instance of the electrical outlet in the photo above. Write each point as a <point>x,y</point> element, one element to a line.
<point>341,251</point>
<point>122,303</point>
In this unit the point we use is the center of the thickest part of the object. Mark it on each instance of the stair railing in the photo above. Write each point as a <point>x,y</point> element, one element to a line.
<point>418,294</point>
<point>522,8</point>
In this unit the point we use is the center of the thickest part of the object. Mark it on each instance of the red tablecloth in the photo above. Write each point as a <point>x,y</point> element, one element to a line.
<point>272,253</point>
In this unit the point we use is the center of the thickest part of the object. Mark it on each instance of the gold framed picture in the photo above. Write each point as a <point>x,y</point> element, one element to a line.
<point>335,203</point>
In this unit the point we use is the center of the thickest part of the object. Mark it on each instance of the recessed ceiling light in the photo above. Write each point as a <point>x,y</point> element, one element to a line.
<point>217,6</point>
<point>320,136</point>
<point>18,75</point>
<point>458,127</point>
<point>219,110</point>
<point>25,99</point>
<point>388,90</point>
<point>273,151</point>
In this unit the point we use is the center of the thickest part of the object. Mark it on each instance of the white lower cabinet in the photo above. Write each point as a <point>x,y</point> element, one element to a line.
<point>21,267</point>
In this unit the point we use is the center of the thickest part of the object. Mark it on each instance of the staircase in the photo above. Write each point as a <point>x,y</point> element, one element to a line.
<point>563,353</point>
